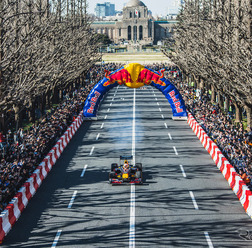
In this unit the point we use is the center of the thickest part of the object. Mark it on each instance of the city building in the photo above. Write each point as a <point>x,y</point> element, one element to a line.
<point>105,9</point>
<point>136,27</point>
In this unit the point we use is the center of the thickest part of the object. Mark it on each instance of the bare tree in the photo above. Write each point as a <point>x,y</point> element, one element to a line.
<point>213,42</point>
<point>42,50</point>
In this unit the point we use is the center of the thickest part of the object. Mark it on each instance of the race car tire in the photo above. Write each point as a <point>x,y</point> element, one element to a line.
<point>139,166</point>
<point>112,175</point>
<point>138,174</point>
<point>114,166</point>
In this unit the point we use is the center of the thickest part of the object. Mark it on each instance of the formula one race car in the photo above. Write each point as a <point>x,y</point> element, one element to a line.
<point>125,172</point>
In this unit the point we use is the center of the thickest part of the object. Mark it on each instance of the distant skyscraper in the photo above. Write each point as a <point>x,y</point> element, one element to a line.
<point>105,9</point>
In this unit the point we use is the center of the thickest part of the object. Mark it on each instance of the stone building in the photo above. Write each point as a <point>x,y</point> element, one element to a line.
<point>137,26</point>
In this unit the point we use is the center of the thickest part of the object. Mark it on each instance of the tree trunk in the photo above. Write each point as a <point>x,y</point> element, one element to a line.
<point>238,113</point>
<point>213,96</point>
<point>42,104</point>
<point>2,122</point>
<point>226,104</point>
<point>55,98</point>
<point>31,112</point>
<point>48,100</point>
<point>17,119</point>
<point>220,100</point>
<point>201,84</point>
<point>249,117</point>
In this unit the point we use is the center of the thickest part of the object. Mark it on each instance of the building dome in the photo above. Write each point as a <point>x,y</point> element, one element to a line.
<point>135,3</point>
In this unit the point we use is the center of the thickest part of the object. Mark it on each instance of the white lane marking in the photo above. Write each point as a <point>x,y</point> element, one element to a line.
<point>170,136</point>
<point>157,103</point>
<point>132,217</point>
<point>134,126</point>
<point>160,109</point>
<point>175,150</point>
<point>132,194</point>
<point>154,94</point>
<point>98,135</point>
<point>110,104</point>
<point>165,125</point>
<point>91,152</point>
<point>112,99</point>
<point>102,125</point>
<point>105,117</point>
<point>84,170</point>
<point>183,171</point>
<point>156,99</point>
<point>209,242</point>
<point>72,199</point>
<point>162,116</point>
<point>193,200</point>
<point>108,110</point>
<point>56,239</point>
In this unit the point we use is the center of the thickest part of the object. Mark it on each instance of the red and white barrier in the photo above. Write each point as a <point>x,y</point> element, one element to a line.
<point>234,180</point>
<point>14,209</point>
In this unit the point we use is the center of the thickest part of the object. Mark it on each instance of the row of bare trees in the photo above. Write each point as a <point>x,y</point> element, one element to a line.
<point>213,45</point>
<point>44,46</point>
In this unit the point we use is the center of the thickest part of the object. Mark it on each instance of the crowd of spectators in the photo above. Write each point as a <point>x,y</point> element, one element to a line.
<point>232,139</point>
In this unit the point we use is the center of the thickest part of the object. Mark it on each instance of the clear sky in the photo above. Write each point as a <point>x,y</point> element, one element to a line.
<point>160,7</point>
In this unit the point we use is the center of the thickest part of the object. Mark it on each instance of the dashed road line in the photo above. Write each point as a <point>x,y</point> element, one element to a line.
<point>72,199</point>
<point>84,170</point>
<point>98,135</point>
<point>158,103</point>
<point>108,110</point>
<point>102,125</point>
<point>156,99</point>
<point>91,152</point>
<point>175,150</point>
<point>110,104</point>
<point>182,170</point>
<point>193,200</point>
<point>170,136</point>
<point>209,242</point>
<point>132,194</point>
<point>160,109</point>
<point>165,125</point>
<point>162,116</point>
<point>132,217</point>
<point>105,117</point>
<point>56,239</point>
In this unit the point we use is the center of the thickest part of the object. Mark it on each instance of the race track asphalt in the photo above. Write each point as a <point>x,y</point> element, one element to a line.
<point>184,201</point>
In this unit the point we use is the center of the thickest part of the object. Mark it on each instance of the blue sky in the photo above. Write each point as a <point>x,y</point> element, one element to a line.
<point>156,6</point>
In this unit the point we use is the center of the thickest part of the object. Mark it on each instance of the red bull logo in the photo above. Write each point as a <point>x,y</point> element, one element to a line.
<point>147,77</point>
<point>175,101</point>
<point>121,77</point>
<point>93,102</point>
<point>134,76</point>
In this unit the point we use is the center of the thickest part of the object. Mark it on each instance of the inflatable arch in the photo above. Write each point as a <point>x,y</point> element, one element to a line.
<point>134,76</point>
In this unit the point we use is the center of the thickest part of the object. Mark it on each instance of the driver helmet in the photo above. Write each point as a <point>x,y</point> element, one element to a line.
<point>126,165</point>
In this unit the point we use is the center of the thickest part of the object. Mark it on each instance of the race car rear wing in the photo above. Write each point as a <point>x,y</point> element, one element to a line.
<point>126,157</point>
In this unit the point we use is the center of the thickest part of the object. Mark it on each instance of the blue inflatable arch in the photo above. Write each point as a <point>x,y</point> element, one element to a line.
<point>135,76</point>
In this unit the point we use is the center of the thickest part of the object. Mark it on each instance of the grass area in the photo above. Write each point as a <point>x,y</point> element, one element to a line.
<point>142,58</point>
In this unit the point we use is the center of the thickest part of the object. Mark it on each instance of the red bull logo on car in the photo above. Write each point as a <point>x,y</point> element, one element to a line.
<point>135,75</point>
